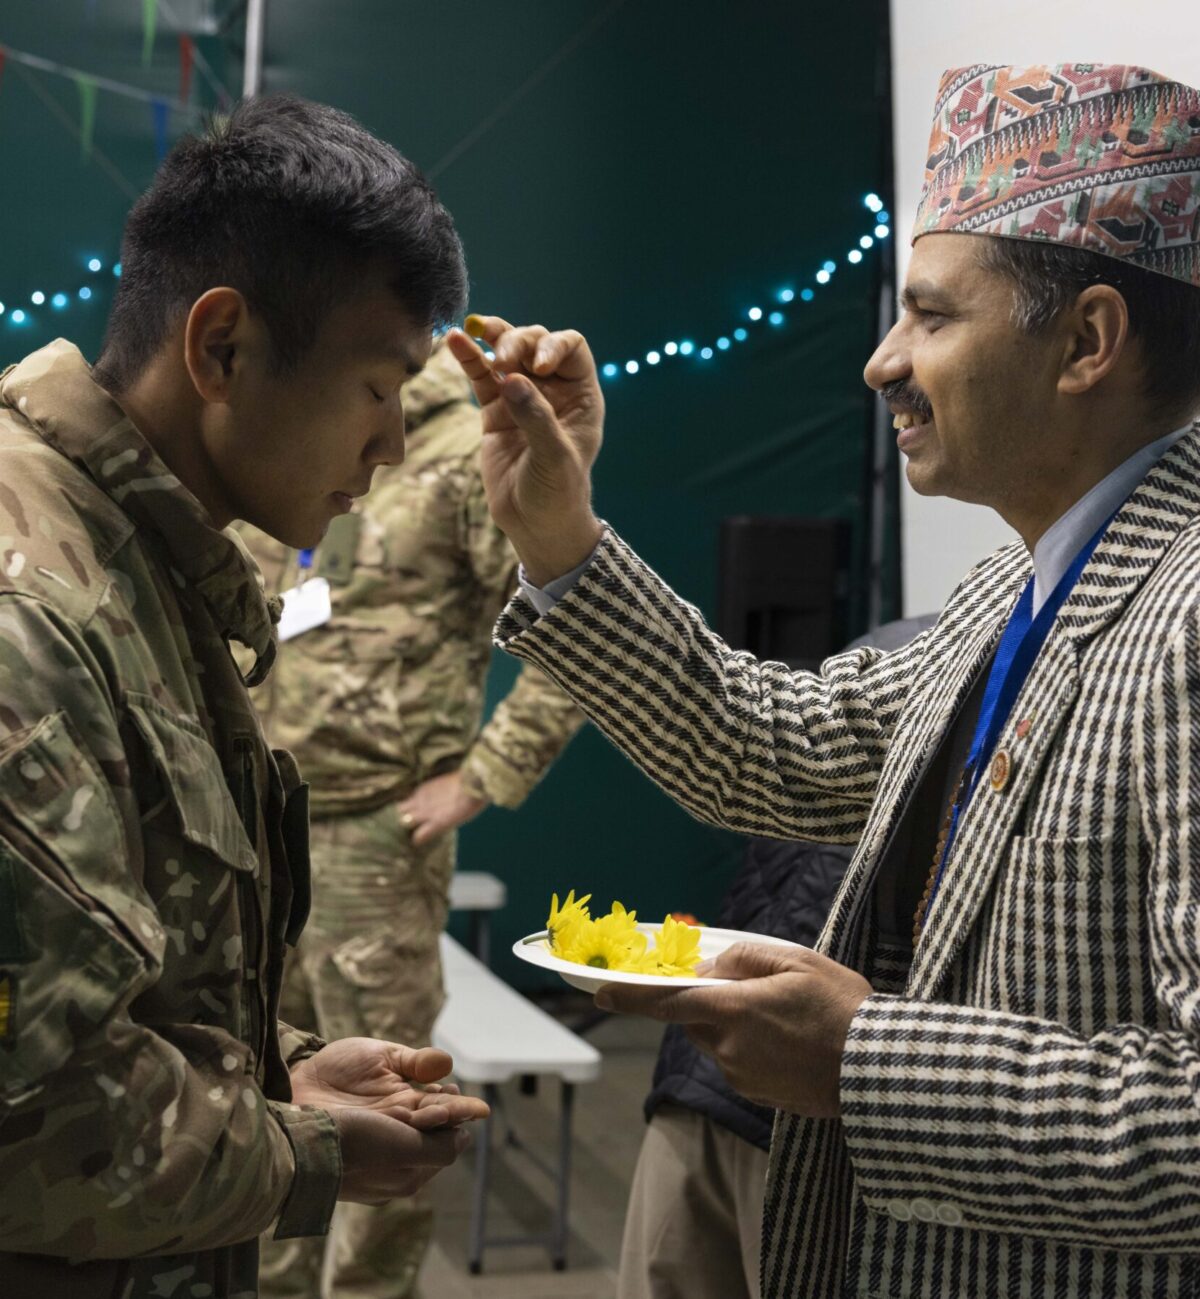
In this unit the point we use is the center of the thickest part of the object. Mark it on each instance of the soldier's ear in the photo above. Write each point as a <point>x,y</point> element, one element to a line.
<point>219,329</point>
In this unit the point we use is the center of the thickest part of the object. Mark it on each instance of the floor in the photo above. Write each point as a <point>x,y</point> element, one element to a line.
<point>608,1132</point>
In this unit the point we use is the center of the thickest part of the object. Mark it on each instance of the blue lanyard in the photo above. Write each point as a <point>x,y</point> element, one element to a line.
<point>1015,656</point>
<point>306,560</point>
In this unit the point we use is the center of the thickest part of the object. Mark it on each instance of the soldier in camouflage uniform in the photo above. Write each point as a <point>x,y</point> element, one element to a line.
<point>154,1116</point>
<point>381,706</point>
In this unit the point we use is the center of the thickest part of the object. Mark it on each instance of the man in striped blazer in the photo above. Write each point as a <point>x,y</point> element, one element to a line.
<point>988,1074</point>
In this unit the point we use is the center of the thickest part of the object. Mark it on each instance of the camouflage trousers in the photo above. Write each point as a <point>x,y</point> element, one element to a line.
<point>367,965</point>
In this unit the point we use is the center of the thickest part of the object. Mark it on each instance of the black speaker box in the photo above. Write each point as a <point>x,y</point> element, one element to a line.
<point>784,587</point>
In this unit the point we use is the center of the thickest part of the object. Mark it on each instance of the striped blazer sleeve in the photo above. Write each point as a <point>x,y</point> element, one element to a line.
<point>1025,1126</point>
<point>751,746</point>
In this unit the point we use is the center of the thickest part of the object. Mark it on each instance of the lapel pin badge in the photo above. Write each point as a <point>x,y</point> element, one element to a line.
<point>1000,770</point>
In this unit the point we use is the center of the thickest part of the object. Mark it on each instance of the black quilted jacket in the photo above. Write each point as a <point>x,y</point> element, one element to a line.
<point>783,889</point>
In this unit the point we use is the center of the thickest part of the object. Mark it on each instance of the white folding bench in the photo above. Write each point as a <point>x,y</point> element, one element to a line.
<point>479,893</point>
<point>495,1034</point>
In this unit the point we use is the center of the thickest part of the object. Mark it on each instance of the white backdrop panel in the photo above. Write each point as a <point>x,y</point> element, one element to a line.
<point>942,539</point>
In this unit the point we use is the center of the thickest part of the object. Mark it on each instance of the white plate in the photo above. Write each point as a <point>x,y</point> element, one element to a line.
<point>713,942</point>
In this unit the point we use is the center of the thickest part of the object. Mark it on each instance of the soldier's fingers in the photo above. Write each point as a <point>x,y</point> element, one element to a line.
<point>409,1147</point>
<point>461,1109</point>
<point>426,832</point>
<point>423,1065</point>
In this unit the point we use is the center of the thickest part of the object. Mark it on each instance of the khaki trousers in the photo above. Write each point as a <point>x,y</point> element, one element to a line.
<point>367,965</point>
<point>693,1229</point>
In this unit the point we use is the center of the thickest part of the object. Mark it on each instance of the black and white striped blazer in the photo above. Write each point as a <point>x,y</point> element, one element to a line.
<point>1021,1111</point>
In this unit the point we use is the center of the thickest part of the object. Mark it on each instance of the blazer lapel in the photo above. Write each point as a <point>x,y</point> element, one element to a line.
<point>1167,499</point>
<point>986,828</point>
<point>936,703</point>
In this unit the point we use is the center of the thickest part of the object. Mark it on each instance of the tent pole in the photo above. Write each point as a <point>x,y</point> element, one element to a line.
<point>256,21</point>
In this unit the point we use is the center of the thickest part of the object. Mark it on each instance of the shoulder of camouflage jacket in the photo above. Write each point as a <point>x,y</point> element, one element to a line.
<point>58,530</point>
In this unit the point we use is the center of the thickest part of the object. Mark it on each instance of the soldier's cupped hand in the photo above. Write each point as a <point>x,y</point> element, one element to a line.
<point>383,1159</point>
<point>394,1081</point>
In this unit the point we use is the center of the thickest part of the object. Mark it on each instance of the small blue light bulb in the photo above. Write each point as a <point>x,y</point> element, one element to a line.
<point>652,358</point>
<point>776,317</point>
<point>85,293</point>
<point>854,256</point>
<point>687,347</point>
<point>740,334</point>
<point>823,277</point>
<point>723,343</point>
<point>755,313</point>
<point>882,232</point>
<point>94,264</point>
<point>37,297</point>
<point>18,317</point>
<point>117,269</point>
<point>610,371</point>
<point>866,242</point>
<point>873,201</point>
<point>807,295</point>
<point>59,301</point>
<point>631,367</point>
<point>884,218</point>
<point>829,266</point>
<point>670,349</point>
<point>786,295</point>
<point>706,353</point>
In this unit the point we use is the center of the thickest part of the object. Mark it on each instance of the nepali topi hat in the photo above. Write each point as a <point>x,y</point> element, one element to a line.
<point>1095,156</point>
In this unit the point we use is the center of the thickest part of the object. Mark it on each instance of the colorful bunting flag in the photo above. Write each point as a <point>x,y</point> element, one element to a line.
<point>187,56</point>
<point>87,113</point>
<point>149,22</point>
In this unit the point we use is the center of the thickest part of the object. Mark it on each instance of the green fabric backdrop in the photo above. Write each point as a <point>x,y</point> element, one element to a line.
<point>640,171</point>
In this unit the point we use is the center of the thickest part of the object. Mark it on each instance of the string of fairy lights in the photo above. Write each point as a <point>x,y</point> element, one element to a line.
<point>787,300</point>
<point>60,299</point>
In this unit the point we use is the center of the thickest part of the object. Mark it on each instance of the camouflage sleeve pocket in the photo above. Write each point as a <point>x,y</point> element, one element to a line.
<point>79,938</point>
<point>195,784</point>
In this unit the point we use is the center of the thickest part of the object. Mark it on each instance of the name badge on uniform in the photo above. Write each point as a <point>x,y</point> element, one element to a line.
<point>338,549</point>
<point>305,606</point>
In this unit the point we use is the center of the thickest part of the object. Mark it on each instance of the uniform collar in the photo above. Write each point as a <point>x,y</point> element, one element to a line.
<point>54,390</point>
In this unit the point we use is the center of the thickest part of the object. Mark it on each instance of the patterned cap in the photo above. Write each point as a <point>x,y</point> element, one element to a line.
<point>1090,155</point>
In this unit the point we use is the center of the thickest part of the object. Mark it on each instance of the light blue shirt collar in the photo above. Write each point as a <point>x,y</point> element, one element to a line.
<point>1066,537</point>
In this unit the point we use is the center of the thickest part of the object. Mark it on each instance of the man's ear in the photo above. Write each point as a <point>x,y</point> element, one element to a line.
<point>1096,337</point>
<point>218,329</point>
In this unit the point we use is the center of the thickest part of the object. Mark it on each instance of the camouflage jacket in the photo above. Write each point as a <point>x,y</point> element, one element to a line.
<point>152,858</point>
<point>390,691</point>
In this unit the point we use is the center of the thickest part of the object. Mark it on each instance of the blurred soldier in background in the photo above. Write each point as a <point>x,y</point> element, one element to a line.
<point>381,705</point>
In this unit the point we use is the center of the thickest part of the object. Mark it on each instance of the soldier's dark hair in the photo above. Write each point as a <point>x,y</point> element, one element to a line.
<point>1164,312</point>
<point>286,201</point>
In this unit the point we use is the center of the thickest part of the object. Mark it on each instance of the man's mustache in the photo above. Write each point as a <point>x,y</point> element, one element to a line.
<point>907,394</point>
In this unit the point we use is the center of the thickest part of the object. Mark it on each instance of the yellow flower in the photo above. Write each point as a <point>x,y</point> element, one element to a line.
<point>561,923</point>
<point>605,945</point>
<point>676,950</point>
<point>619,922</point>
